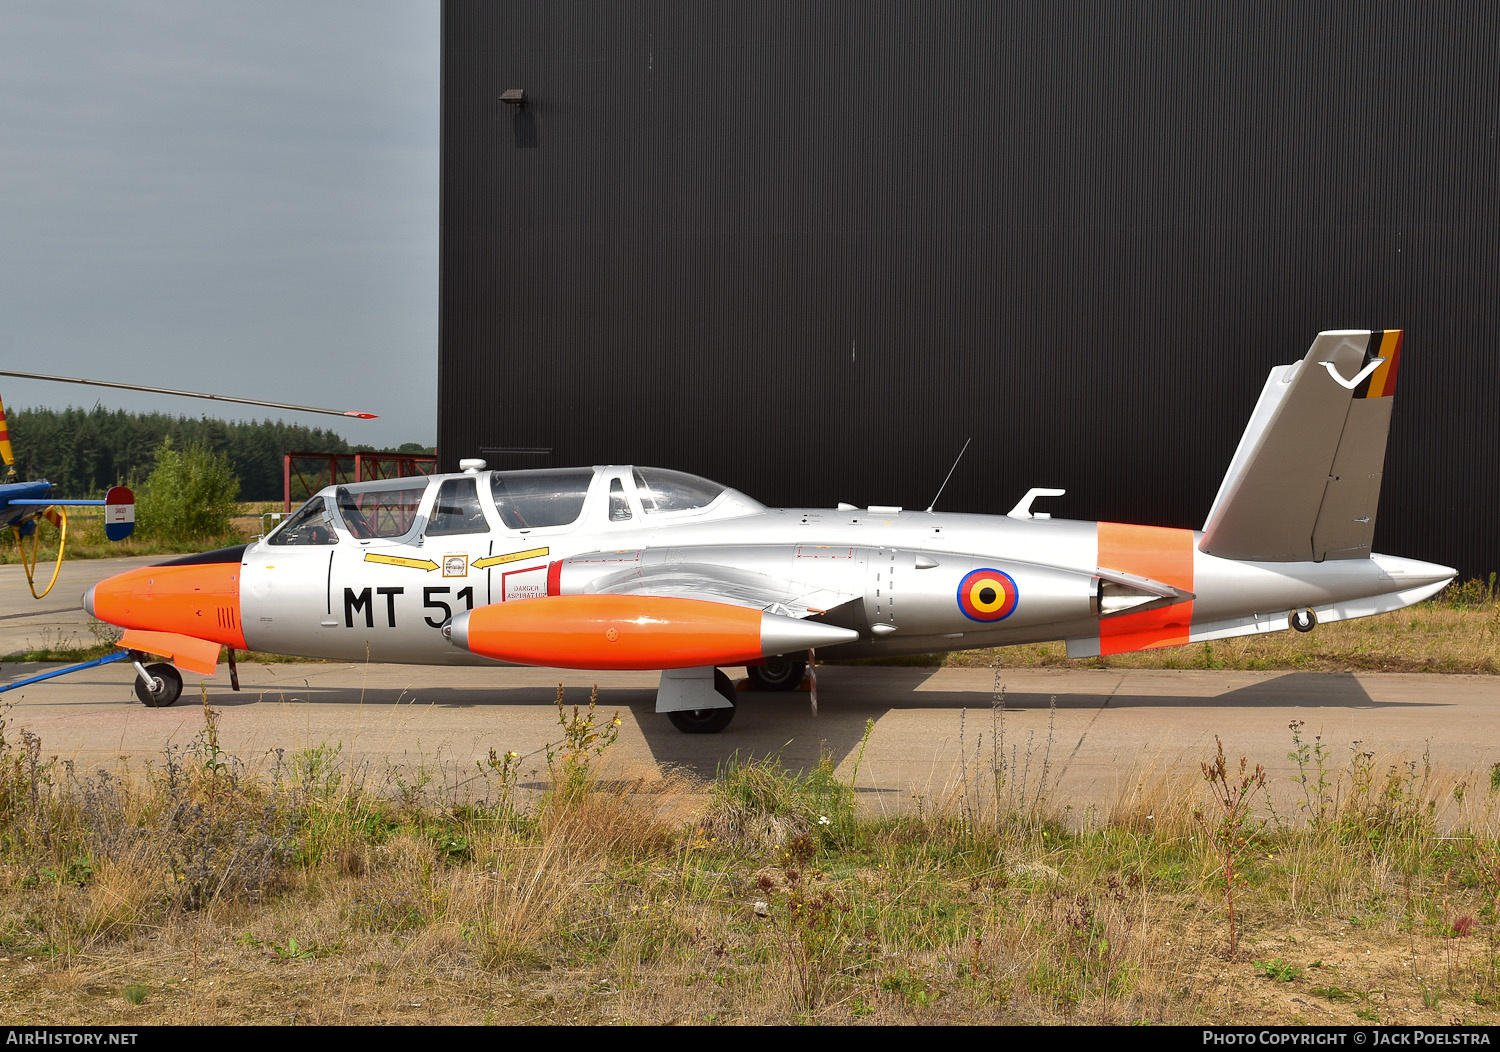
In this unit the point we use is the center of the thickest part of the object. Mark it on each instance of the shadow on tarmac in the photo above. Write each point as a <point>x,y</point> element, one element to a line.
<point>782,724</point>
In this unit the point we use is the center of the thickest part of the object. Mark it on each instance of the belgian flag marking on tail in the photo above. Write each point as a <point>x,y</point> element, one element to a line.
<point>1385,344</point>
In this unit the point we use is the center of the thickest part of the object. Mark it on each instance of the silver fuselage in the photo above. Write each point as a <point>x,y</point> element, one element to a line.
<point>892,574</point>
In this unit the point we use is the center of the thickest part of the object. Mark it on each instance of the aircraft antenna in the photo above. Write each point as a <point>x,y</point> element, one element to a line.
<point>951,470</point>
<point>193,394</point>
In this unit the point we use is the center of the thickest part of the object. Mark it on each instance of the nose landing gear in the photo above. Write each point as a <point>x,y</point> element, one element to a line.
<point>157,684</point>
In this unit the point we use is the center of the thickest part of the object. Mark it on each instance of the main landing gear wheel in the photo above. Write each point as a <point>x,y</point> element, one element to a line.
<point>166,686</point>
<point>782,672</point>
<point>707,721</point>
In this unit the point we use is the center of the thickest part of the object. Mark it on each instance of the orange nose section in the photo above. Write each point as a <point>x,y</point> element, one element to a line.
<point>202,601</point>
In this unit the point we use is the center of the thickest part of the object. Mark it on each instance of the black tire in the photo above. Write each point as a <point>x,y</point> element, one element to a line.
<point>707,721</point>
<point>1306,624</point>
<point>782,672</point>
<point>169,688</point>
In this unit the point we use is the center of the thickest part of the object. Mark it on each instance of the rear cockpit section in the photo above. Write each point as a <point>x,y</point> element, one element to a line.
<point>541,497</point>
<point>663,497</point>
<point>662,491</point>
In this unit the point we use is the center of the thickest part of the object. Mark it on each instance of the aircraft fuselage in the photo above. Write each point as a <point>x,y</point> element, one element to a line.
<point>895,577</point>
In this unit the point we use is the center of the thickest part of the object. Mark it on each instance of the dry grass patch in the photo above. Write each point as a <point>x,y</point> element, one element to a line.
<point>762,898</point>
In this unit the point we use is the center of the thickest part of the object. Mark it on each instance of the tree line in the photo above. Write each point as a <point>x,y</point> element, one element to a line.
<point>83,452</point>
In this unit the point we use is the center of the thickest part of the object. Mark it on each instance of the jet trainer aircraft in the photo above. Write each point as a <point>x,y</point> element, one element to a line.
<point>643,568</point>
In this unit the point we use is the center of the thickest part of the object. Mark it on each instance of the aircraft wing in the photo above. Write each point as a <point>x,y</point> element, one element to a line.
<point>736,585</point>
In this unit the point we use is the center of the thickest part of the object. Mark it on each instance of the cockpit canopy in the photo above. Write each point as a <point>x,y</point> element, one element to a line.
<point>552,500</point>
<point>539,497</point>
<point>663,490</point>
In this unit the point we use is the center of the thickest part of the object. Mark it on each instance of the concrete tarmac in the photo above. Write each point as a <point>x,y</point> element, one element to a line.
<point>1100,734</point>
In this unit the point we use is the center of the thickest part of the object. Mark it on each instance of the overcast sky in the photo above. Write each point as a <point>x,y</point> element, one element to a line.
<point>223,196</point>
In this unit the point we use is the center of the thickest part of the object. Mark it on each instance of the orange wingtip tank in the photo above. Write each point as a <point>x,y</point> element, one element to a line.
<point>632,632</point>
<point>198,600</point>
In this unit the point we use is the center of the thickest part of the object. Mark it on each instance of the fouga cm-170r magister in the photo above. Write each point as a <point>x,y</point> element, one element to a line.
<point>643,568</point>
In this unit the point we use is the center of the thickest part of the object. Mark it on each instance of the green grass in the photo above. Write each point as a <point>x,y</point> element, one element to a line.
<point>1278,970</point>
<point>86,539</point>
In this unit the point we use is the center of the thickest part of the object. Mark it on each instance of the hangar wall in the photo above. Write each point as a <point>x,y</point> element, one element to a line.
<point>808,247</point>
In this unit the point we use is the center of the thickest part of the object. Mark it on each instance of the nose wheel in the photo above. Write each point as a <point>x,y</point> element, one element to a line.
<point>158,684</point>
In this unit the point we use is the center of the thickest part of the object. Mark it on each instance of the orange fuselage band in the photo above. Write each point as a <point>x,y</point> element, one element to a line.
<point>198,600</point>
<point>1163,555</point>
<point>616,632</point>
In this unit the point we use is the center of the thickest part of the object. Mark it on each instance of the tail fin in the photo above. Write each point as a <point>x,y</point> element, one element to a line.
<point>1305,481</point>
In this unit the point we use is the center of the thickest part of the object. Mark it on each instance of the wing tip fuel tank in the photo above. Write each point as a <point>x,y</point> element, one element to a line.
<point>605,631</point>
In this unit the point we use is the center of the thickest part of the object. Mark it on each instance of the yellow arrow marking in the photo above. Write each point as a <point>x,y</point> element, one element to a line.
<point>397,560</point>
<point>513,557</point>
